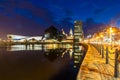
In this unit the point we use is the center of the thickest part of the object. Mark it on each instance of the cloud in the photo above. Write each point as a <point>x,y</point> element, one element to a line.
<point>22,17</point>
<point>27,9</point>
<point>116,17</point>
<point>91,27</point>
<point>98,11</point>
<point>115,20</point>
<point>34,15</point>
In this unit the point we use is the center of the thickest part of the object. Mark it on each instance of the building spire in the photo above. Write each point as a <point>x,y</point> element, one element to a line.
<point>71,33</point>
<point>63,32</point>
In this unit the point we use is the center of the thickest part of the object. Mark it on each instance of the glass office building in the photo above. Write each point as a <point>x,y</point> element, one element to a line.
<point>78,38</point>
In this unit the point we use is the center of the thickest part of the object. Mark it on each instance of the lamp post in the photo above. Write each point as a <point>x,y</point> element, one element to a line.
<point>101,46</point>
<point>116,68</point>
<point>101,38</point>
<point>111,36</point>
<point>97,40</point>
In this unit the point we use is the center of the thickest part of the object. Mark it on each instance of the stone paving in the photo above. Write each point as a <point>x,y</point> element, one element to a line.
<point>94,67</point>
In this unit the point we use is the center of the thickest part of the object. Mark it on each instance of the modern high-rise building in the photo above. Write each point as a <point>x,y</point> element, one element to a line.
<point>78,31</point>
<point>78,38</point>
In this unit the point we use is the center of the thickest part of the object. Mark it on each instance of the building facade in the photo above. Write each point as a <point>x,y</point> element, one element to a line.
<point>78,38</point>
<point>20,38</point>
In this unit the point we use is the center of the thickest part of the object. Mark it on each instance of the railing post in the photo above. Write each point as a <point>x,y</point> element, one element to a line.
<point>116,72</point>
<point>99,48</point>
<point>102,51</point>
<point>107,60</point>
<point>118,61</point>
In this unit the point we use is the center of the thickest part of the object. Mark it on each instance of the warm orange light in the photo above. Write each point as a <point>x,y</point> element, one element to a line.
<point>111,30</point>
<point>101,35</point>
<point>97,37</point>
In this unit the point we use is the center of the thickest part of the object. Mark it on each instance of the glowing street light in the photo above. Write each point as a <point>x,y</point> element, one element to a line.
<point>111,31</point>
<point>111,34</point>
<point>101,38</point>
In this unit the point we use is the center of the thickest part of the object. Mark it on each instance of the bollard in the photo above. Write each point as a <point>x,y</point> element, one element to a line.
<point>107,60</point>
<point>102,51</point>
<point>99,50</point>
<point>116,72</point>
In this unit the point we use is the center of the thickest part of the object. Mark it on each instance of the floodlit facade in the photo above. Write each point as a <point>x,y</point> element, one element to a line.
<point>78,38</point>
<point>70,36</point>
<point>78,31</point>
<point>19,38</point>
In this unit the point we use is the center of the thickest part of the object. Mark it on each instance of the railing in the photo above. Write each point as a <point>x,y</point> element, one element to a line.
<point>108,53</point>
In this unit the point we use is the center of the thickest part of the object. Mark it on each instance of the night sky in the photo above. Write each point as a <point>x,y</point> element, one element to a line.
<point>32,17</point>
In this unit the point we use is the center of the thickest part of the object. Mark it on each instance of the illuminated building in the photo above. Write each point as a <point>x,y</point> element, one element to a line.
<point>70,36</point>
<point>78,38</point>
<point>71,33</point>
<point>63,32</point>
<point>20,38</point>
<point>78,32</point>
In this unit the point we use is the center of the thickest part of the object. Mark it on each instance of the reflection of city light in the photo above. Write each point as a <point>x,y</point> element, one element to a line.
<point>76,61</point>
<point>63,53</point>
<point>71,53</point>
<point>74,66</point>
<point>24,47</point>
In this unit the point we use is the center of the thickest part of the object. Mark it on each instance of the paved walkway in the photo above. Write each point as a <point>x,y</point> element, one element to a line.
<point>94,67</point>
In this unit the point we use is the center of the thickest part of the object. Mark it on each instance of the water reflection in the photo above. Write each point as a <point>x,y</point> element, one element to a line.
<point>52,54</point>
<point>37,47</point>
<point>24,47</point>
<point>71,53</point>
<point>41,62</point>
<point>78,55</point>
<point>52,51</point>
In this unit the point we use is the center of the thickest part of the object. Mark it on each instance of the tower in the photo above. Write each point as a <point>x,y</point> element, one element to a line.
<point>78,37</point>
<point>71,33</point>
<point>78,32</point>
<point>63,32</point>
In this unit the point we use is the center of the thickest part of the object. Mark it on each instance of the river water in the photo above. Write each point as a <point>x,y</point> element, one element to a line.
<point>37,62</point>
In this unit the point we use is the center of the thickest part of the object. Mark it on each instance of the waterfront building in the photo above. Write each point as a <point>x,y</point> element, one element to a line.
<point>78,31</point>
<point>20,38</point>
<point>78,38</point>
<point>71,33</point>
<point>63,32</point>
<point>70,36</point>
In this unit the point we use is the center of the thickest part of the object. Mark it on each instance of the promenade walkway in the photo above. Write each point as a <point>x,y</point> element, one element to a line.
<point>95,68</point>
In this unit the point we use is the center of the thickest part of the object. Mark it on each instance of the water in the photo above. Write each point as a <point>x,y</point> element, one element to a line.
<point>38,62</point>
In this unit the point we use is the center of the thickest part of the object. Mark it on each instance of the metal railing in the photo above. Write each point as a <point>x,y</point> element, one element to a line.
<point>106,52</point>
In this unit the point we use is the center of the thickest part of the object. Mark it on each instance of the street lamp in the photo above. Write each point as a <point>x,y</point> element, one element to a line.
<point>97,39</point>
<point>101,38</point>
<point>111,36</point>
<point>101,46</point>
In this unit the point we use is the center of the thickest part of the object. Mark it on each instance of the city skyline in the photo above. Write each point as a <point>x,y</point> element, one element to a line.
<point>59,39</point>
<point>32,17</point>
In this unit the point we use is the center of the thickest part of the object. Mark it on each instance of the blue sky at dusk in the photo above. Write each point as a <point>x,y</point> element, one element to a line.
<point>32,17</point>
